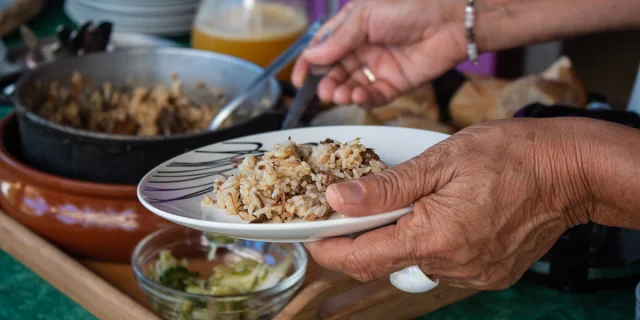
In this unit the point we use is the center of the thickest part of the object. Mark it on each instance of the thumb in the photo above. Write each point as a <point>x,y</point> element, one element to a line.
<point>392,189</point>
<point>347,33</point>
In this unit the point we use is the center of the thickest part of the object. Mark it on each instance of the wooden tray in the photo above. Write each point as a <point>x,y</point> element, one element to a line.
<point>109,291</point>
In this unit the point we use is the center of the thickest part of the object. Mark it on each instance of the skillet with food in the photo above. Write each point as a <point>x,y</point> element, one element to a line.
<point>72,125</point>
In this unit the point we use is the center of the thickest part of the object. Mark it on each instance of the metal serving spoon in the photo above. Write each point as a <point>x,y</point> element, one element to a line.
<point>274,68</point>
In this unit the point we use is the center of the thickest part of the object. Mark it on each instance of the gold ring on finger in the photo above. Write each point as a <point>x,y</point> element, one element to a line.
<point>370,76</point>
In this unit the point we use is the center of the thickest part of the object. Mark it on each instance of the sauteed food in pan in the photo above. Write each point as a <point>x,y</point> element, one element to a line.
<point>128,109</point>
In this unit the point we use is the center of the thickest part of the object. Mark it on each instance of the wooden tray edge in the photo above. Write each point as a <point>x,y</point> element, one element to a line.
<point>68,275</point>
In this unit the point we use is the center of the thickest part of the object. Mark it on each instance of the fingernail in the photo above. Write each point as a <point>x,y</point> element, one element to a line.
<point>349,192</point>
<point>325,35</point>
<point>320,39</point>
<point>313,46</point>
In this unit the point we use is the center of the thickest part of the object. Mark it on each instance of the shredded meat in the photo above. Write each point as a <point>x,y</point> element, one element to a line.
<point>369,155</point>
<point>260,219</point>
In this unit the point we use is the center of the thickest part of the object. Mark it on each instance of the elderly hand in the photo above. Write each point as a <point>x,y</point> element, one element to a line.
<point>487,202</point>
<point>403,43</point>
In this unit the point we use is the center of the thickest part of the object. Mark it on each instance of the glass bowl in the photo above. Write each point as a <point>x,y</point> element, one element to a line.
<point>188,244</point>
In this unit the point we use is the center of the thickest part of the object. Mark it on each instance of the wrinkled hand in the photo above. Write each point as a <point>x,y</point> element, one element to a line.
<point>404,43</point>
<point>487,202</point>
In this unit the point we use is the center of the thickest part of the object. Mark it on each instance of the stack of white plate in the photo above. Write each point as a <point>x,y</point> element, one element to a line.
<point>160,17</point>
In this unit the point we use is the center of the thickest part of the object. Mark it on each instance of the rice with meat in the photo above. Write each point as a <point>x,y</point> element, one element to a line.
<point>291,180</point>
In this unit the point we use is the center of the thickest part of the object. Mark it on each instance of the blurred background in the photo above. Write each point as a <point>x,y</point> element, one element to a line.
<point>202,26</point>
<point>595,76</point>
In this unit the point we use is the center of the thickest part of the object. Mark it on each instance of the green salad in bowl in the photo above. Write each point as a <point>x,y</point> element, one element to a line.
<point>215,241</point>
<point>188,275</point>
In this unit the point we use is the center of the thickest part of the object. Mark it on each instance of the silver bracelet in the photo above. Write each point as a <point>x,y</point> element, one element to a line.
<point>469,23</point>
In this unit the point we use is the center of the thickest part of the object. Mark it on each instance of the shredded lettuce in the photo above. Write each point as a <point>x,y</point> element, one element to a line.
<point>215,241</point>
<point>243,276</point>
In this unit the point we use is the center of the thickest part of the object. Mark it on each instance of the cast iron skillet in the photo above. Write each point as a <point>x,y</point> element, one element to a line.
<point>120,159</point>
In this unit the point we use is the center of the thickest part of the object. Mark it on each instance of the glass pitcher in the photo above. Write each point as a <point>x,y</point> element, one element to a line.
<point>254,30</point>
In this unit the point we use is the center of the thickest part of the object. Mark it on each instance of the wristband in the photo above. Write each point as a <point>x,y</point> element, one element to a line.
<point>469,23</point>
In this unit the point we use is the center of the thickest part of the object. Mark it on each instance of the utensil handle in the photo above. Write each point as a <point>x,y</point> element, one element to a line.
<point>301,101</point>
<point>274,68</point>
<point>306,94</point>
<point>412,280</point>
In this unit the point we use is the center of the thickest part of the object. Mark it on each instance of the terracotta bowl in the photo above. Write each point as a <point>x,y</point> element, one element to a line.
<point>88,220</point>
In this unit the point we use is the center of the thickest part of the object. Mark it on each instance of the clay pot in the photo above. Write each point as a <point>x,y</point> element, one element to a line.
<point>88,220</point>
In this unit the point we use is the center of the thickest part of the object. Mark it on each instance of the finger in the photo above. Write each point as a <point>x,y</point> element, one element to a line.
<point>335,79</point>
<point>351,65</point>
<point>453,283</point>
<point>387,91</point>
<point>348,34</point>
<point>326,89</point>
<point>300,72</point>
<point>373,255</point>
<point>386,74</point>
<point>353,93</point>
<point>391,189</point>
<point>376,94</point>
<point>358,76</point>
<point>366,91</point>
<point>301,68</point>
<point>362,96</point>
<point>361,88</point>
<point>368,94</point>
<point>328,28</point>
<point>342,94</point>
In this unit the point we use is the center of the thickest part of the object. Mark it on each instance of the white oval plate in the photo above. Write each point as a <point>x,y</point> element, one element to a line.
<point>174,190</point>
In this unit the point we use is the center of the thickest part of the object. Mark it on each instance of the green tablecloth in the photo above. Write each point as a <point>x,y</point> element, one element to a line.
<point>24,295</point>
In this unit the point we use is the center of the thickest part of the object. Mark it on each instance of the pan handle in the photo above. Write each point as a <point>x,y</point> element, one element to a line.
<point>7,80</point>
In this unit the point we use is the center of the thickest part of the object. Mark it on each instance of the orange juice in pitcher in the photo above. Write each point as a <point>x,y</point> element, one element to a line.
<point>254,30</point>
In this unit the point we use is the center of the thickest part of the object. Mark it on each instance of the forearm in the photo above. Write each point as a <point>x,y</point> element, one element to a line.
<point>504,24</point>
<point>608,159</point>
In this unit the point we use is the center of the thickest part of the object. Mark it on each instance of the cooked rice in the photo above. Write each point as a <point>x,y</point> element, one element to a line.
<point>291,180</point>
